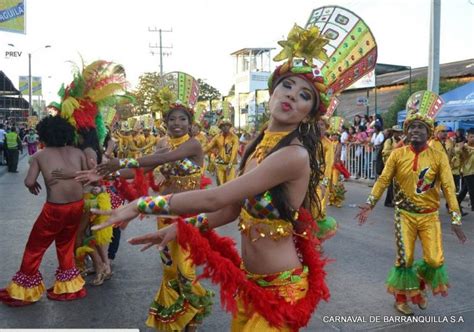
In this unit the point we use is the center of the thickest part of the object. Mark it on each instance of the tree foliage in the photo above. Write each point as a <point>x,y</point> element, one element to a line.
<point>390,117</point>
<point>207,92</point>
<point>147,92</point>
<point>148,89</point>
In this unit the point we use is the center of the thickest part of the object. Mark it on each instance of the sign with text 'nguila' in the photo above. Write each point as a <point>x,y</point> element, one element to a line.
<point>12,16</point>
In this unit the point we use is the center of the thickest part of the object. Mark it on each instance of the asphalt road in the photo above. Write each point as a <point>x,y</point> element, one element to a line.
<point>360,259</point>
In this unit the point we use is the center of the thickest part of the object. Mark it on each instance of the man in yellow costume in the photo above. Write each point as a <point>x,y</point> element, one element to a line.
<point>123,140</point>
<point>137,142</point>
<point>389,145</point>
<point>197,133</point>
<point>419,172</point>
<point>466,155</point>
<point>149,141</point>
<point>441,142</point>
<point>227,145</point>
<point>327,225</point>
<point>336,188</point>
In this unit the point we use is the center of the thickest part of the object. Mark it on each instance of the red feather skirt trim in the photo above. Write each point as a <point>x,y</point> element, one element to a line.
<point>134,189</point>
<point>222,265</point>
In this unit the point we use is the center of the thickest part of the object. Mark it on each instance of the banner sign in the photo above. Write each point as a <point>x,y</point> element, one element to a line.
<point>12,16</point>
<point>37,86</point>
<point>35,81</point>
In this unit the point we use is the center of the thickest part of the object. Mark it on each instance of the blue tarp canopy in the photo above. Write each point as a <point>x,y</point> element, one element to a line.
<point>458,110</point>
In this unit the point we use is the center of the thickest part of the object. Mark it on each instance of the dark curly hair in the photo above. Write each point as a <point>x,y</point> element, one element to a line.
<point>55,131</point>
<point>90,140</point>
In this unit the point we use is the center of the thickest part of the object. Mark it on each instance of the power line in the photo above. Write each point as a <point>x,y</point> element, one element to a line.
<point>160,46</point>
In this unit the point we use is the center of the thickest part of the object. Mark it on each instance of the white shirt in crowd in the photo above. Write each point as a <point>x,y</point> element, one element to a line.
<point>377,139</point>
<point>344,139</point>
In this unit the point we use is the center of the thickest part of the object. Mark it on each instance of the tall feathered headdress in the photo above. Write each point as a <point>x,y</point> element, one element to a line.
<point>335,125</point>
<point>334,50</point>
<point>94,89</point>
<point>423,106</point>
<point>178,90</point>
<point>351,47</point>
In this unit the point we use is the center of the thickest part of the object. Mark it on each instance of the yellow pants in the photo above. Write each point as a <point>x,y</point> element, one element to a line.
<point>317,215</point>
<point>224,174</point>
<point>336,198</point>
<point>170,311</point>
<point>427,227</point>
<point>250,321</point>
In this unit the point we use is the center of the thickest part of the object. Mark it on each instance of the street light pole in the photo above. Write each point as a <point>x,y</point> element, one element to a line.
<point>30,84</point>
<point>433,64</point>
<point>409,83</point>
<point>256,109</point>
<point>30,107</point>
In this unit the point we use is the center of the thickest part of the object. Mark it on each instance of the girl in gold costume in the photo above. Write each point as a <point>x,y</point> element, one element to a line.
<point>279,280</point>
<point>181,303</point>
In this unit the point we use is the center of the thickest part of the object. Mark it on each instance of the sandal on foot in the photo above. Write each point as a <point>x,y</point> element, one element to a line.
<point>99,279</point>
<point>108,276</point>
<point>404,308</point>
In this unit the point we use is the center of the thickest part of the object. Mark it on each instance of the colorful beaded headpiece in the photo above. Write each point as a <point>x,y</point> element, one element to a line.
<point>124,126</point>
<point>423,106</point>
<point>300,48</point>
<point>179,91</point>
<point>342,45</point>
<point>332,106</point>
<point>351,49</point>
<point>335,125</point>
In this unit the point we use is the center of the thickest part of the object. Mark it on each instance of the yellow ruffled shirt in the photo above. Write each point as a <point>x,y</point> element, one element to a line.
<point>420,176</point>
<point>227,147</point>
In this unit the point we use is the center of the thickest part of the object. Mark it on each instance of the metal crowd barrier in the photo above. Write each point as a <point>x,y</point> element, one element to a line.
<point>360,161</point>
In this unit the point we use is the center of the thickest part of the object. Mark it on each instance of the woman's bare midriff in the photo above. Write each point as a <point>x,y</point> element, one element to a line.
<point>267,256</point>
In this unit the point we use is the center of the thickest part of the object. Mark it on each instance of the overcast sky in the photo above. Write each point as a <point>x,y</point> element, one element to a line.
<point>205,32</point>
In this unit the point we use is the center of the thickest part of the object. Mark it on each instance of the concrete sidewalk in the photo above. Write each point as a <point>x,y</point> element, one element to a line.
<point>4,168</point>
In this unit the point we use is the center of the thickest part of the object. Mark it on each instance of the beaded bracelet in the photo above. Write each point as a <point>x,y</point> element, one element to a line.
<point>129,163</point>
<point>200,221</point>
<point>154,205</point>
<point>325,181</point>
<point>113,176</point>
<point>455,218</point>
<point>371,200</point>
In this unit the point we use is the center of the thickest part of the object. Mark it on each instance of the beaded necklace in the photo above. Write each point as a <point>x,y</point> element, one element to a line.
<point>176,142</point>
<point>268,142</point>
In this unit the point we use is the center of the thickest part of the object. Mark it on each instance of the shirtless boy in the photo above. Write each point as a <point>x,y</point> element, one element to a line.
<point>57,222</point>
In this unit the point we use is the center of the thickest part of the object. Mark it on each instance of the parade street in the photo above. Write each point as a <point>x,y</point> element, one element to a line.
<point>359,260</point>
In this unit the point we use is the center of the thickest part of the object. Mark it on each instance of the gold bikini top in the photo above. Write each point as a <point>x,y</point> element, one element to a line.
<point>184,174</point>
<point>259,212</point>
